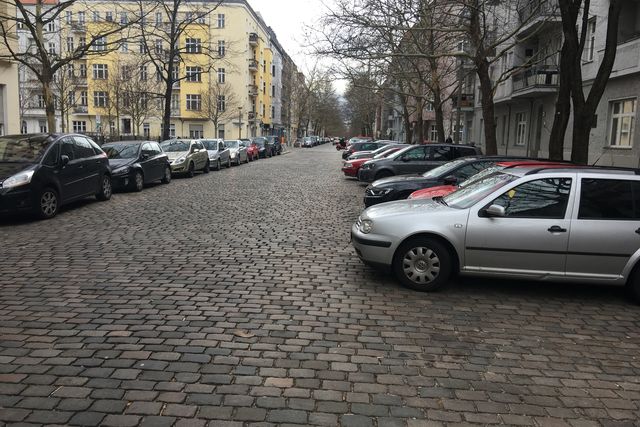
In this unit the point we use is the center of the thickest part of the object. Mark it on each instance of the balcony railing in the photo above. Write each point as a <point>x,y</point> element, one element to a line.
<point>466,100</point>
<point>81,109</point>
<point>543,76</point>
<point>253,39</point>
<point>537,9</point>
<point>252,116</point>
<point>253,65</point>
<point>253,90</point>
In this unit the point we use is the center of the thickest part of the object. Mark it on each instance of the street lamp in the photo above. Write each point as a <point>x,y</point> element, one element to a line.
<point>239,122</point>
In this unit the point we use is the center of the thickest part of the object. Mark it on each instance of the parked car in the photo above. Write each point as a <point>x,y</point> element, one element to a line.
<point>443,190</point>
<point>252,150</point>
<point>136,163</point>
<point>263,146</point>
<point>450,173</point>
<point>371,154</point>
<point>362,146</point>
<point>237,150</point>
<point>350,168</point>
<point>186,156</point>
<point>308,142</point>
<point>276,146</point>
<point>415,159</point>
<point>39,173</point>
<point>219,154</point>
<point>573,224</point>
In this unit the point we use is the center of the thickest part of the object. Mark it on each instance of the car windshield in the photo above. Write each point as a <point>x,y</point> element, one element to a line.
<point>386,153</point>
<point>443,170</point>
<point>121,151</point>
<point>481,175</point>
<point>210,145</point>
<point>175,146</point>
<point>232,144</point>
<point>23,148</point>
<point>259,143</point>
<point>471,194</point>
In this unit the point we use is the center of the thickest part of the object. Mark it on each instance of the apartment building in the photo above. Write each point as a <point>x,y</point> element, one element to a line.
<point>9,116</point>
<point>227,63</point>
<point>525,103</point>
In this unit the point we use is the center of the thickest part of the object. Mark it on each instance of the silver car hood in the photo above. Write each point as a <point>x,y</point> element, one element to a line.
<point>176,154</point>
<point>405,208</point>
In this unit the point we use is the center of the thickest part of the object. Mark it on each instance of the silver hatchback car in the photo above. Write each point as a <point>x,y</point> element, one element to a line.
<point>578,224</point>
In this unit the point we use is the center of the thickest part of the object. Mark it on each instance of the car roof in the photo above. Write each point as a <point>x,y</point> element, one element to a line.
<point>126,143</point>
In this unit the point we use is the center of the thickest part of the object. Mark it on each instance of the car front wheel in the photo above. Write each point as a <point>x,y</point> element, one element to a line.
<point>48,203</point>
<point>138,181</point>
<point>105,189</point>
<point>191,170</point>
<point>207,167</point>
<point>167,175</point>
<point>423,264</point>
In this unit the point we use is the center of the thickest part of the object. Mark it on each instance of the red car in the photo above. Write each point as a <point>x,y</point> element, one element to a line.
<point>443,190</point>
<point>252,150</point>
<point>351,167</point>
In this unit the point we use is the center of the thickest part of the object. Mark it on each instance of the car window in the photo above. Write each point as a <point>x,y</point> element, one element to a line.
<point>607,199</point>
<point>471,169</point>
<point>542,198</point>
<point>464,151</point>
<point>82,148</point>
<point>441,154</point>
<point>67,148</point>
<point>95,146</point>
<point>220,146</point>
<point>52,156</point>
<point>414,155</point>
<point>156,148</point>
<point>146,149</point>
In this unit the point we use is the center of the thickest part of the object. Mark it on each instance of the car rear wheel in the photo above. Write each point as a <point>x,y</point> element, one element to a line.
<point>191,170</point>
<point>105,189</point>
<point>48,203</point>
<point>633,285</point>
<point>229,162</point>
<point>423,264</point>
<point>383,174</point>
<point>207,167</point>
<point>138,181</point>
<point>167,175</point>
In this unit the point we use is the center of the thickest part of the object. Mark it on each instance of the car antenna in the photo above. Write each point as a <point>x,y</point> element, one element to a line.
<point>598,159</point>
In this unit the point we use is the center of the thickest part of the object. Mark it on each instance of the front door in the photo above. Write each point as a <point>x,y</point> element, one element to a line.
<point>605,233</point>
<point>412,161</point>
<point>91,164</point>
<point>71,174</point>
<point>531,239</point>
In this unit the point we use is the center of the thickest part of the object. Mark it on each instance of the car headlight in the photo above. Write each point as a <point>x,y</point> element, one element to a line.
<point>368,166</point>
<point>366,226</point>
<point>22,178</point>
<point>233,154</point>
<point>121,171</point>
<point>378,191</point>
<point>180,160</point>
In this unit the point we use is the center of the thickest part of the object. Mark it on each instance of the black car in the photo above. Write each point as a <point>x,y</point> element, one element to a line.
<point>362,146</point>
<point>276,146</point>
<point>264,147</point>
<point>414,159</point>
<point>41,172</point>
<point>451,173</point>
<point>136,163</point>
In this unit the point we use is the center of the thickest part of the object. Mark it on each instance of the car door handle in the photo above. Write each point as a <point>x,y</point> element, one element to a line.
<point>557,229</point>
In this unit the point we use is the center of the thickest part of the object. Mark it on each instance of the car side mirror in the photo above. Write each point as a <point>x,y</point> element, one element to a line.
<point>144,156</point>
<point>64,160</point>
<point>450,180</point>
<point>495,211</point>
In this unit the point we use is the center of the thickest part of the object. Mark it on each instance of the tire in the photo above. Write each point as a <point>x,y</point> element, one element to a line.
<point>633,285</point>
<point>246,159</point>
<point>229,163</point>
<point>218,165</point>
<point>207,167</point>
<point>167,175</point>
<point>191,170</point>
<point>138,182</point>
<point>383,174</point>
<point>238,163</point>
<point>106,190</point>
<point>423,264</point>
<point>48,203</point>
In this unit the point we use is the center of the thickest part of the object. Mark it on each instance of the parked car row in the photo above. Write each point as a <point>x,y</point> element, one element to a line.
<point>40,173</point>
<point>504,217</point>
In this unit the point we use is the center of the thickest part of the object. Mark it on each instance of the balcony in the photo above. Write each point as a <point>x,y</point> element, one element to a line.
<point>535,81</point>
<point>80,109</point>
<point>253,65</point>
<point>253,90</point>
<point>175,111</point>
<point>535,15</point>
<point>467,101</point>
<point>253,39</point>
<point>78,27</point>
<point>252,116</point>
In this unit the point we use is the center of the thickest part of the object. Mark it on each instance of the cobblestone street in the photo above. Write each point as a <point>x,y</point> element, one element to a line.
<point>235,299</point>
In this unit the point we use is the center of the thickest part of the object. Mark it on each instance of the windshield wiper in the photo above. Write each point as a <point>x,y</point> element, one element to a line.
<point>440,199</point>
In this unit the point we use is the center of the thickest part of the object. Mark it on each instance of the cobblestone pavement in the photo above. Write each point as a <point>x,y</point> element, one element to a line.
<point>234,298</point>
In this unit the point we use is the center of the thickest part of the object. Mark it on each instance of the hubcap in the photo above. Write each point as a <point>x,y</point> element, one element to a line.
<point>421,265</point>
<point>139,182</point>
<point>48,203</point>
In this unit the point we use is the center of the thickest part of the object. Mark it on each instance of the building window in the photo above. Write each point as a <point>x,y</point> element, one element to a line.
<point>220,131</point>
<point>521,129</point>
<point>433,133</point>
<point>623,116</point>
<point>158,19</point>
<point>158,47</point>
<point>43,126</point>
<point>193,45</point>
<point>221,20</point>
<point>221,75</point>
<point>196,131</point>
<point>202,18</point>
<point>194,102</point>
<point>51,27</point>
<point>100,71</point>
<point>264,87</point>
<point>109,16</point>
<point>81,19</point>
<point>23,128</point>
<point>69,44</point>
<point>71,71</point>
<point>146,130</point>
<point>71,98</point>
<point>52,48</point>
<point>82,42</point>
<point>142,47</point>
<point>273,112</point>
<point>221,48</point>
<point>84,101</point>
<point>96,16</point>
<point>589,49</point>
<point>221,103</point>
<point>175,103</point>
<point>83,70</point>
<point>40,101</point>
<point>194,74</point>
<point>100,99</point>
<point>100,44</point>
<point>144,75</point>
<point>273,70</point>
<point>124,19</point>
<point>273,91</point>
<point>124,47</point>
<point>79,126</point>
<point>69,17</point>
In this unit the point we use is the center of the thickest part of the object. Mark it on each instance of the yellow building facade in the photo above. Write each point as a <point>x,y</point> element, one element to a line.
<point>225,65</point>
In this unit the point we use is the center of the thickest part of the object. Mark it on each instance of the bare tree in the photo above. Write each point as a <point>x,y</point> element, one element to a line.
<point>219,103</point>
<point>39,58</point>
<point>164,42</point>
<point>65,85</point>
<point>138,97</point>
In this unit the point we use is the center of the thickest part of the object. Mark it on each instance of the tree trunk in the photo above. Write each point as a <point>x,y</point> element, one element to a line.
<point>437,101</point>
<point>166,116</point>
<point>420,120</point>
<point>488,109</point>
<point>49,104</point>
<point>580,140</point>
<point>563,104</point>
<point>408,135</point>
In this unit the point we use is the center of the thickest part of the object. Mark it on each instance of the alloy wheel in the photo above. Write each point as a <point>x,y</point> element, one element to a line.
<point>48,204</point>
